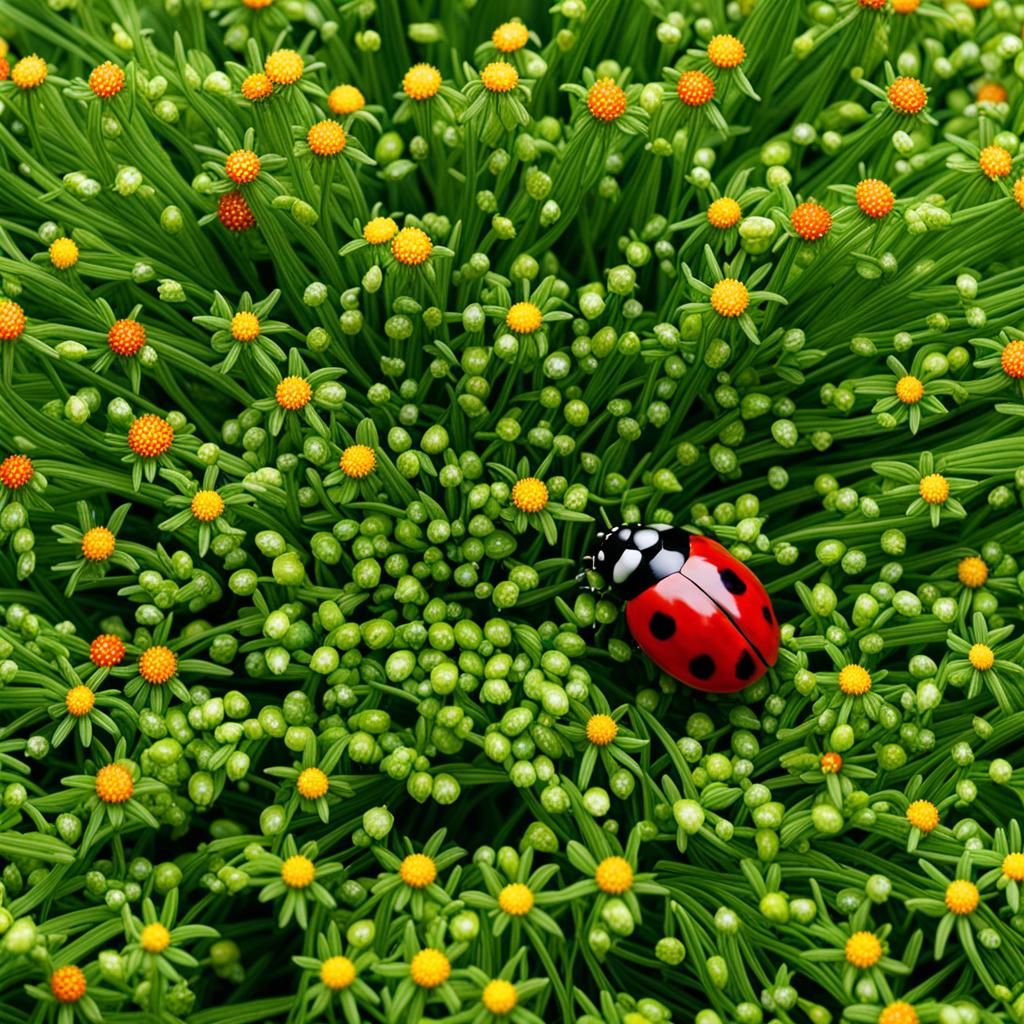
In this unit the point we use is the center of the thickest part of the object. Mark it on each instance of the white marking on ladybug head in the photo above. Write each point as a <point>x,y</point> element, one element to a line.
<point>644,539</point>
<point>628,561</point>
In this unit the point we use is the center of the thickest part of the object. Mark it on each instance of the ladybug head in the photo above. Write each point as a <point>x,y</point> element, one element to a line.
<point>632,558</point>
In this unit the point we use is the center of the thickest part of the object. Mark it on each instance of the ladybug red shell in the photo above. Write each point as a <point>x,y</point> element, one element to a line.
<point>698,613</point>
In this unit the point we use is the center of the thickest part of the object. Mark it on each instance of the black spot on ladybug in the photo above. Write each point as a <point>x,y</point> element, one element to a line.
<point>732,582</point>
<point>767,613</point>
<point>663,627</point>
<point>745,667</point>
<point>703,666</point>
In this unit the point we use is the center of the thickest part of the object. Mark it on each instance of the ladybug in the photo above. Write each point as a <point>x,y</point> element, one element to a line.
<point>698,613</point>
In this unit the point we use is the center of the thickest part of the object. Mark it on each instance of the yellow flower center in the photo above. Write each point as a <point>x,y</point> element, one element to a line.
<point>516,899</point>
<point>510,36</point>
<point>337,973</point>
<point>962,897</point>
<point>907,96</point>
<point>79,700</point>
<point>30,72</point>
<point>601,730</point>
<point>899,1012</point>
<point>614,875</point>
<point>326,138</point>
<point>155,938</point>
<point>923,815</point>
<point>245,326</point>
<point>1018,193</point>
<point>257,87</point>
<point>904,7</point>
<point>357,461</point>
<point>284,67</point>
<point>995,162</point>
<point>63,253</point>
<point>207,506</point>
<point>157,664</point>
<point>297,872</point>
<point>98,544</point>
<point>934,489</point>
<point>430,968</point>
<point>12,320</point>
<point>150,436</point>
<point>499,76</point>
<point>421,82</point>
<point>1012,357</point>
<point>726,51</point>
<point>523,317</point>
<point>855,680</point>
<point>730,298</point>
<point>411,246</point>
<point>530,494</point>
<point>863,949</point>
<point>345,99</point>
<point>981,657</point>
<point>418,870</point>
<point>1013,867</point>
<point>114,784</point>
<point>724,213</point>
<point>972,572</point>
<point>293,393</point>
<point>312,783</point>
<point>242,166</point>
<point>606,100</point>
<point>380,230</point>
<point>499,997</point>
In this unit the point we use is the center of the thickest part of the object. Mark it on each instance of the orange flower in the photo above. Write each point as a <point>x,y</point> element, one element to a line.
<point>150,436</point>
<point>1018,192</point>
<point>695,88</point>
<point>12,320</point>
<point>875,198</point>
<point>126,337</point>
<point>811,221</point>
<point>972,571</point>
<point>873,5</point>
<point>995,162</point>
<point>106,80</point>
<point>831,763</point>
<point>905,6</point>
<point>1012,359</point>
<point>106,650</point>
<point>326,138</point>
<point>345,99</point>
<point>510,36</point>
<point>234,213</point>
<point>730,298</point>
<point>499,76</point>
<point>67,984</point>
<point>293,393</point>
<point>530,494</point>
<point>357,461</point>
<point>242,166</point>
<point>726,51</point>
<point>411,246</point>
<point>257,5</point>
<point>614,875</point>
<point>16,471</point>
<point>907,95</point>
<point>606,100</point>
<point>157,664</point>
<point>257,87</point>
<point>5,69</point>
<point>284,67</point>
<point>30,72</point>
<point>909,389</point>
<point>98,544</point>
<point>114,784</point>
<point>991,92</point>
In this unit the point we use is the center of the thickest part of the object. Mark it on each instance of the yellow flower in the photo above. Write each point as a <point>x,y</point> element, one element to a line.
<point>293,393</point>
<point>297,872</point>
<point>923,815</point>
<point>972,572</point>
<point>523,317</point>
<point>855,680</point>
<point>311,783</point>
<point>357,461</point>
<point>510,36</point>
<point>114,784</point>
<point>934,489</point>
<point>207,506</point>
<point>962,897</point>
<point>337,973</point>
<point>157,664</point>
<point>326,138</point>
<point>380,230</point>
<point>981,657</point>
<point>430,968</point>
<point>724,213</point>
<point>499,997</point>
<point>418,871</point>
<point>530,494</point>
<point>601,730</point>
<point>499,76</point>
<point>345,99</point>
<point>245,326</point>
<point>730,298</point>
<point>98,544</point>
<point>63,253</point>
<point>79,701</point>
<point>30,72</point>
<point>863,949</point>
<point>421,82</point>
<point>1013,867</point>
<point>516,899</point>
<point>898,1012</point>
<point>614,875</point>
<point>909,390</point>
<point>411,247</point>
<point>284,67</point>
<point>155,938</point>
<point>726,51</point>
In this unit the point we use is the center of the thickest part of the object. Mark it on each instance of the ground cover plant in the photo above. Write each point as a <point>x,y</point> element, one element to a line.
<point>331,334</point>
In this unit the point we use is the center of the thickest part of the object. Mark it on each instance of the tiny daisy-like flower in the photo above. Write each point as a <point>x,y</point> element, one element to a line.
<point>337,973</point>
<point>726,51</point>
<point>106,80</point>
<point>854,680</point>
<point>155,937</point>
<point>530,494</point>
<point>614,875</point>
<point>411,247</point>
<point>418,870</point>
<point>606,100</point>
<point>1012,359</point>
<point>724,213</point>
<point>991,92</point>
<point>150,436</point>
<point>981,657</point>
<point>98,544</point>
<point>523,317</point>
<point>245,326</point>
<point>601,730</point>
<point>114,784</point>
<point>298,872</point>
<point>923,815</point>
<point>242,166</point>
<point>1013,867</point>
<point>729,297</point>
<point>293,393</point>
<point>516,899</point>
<point>12,320</point>
<point>909,389</point>
<point>16,472</point>
<point>898,1012</point>
<point>934,489</point>
<point>79,701</point>
<point>234,213</point>
<point>1018,192</point>
<point>380,230</point>
<point>962,897</point>
<point>831,763</point>
<point>972,572</point>
<point>207,506</point>
<point>510,36</point>
<point>863,949</point>
<point>157,664</point>
<point>875,198</point>
<point>63,253</point>
<point>811,221</point>
<point>68,984</point>
<point>907,95</point>
<point>430,968</point>
<point>905,6</point>
<point>345,99</point>
<point>499,76</point>
<point>421,82</point>
<point>499,997</point>
<point>257,86</point>
<point>30,72</point>
<point>107,650</point>
<point>284,67</point>
<point>357,461</point>
<point>126,337</point>
<point>326,138</point>
<point>995,162</point>
<point>695,88</point>
<point>312,783</point>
